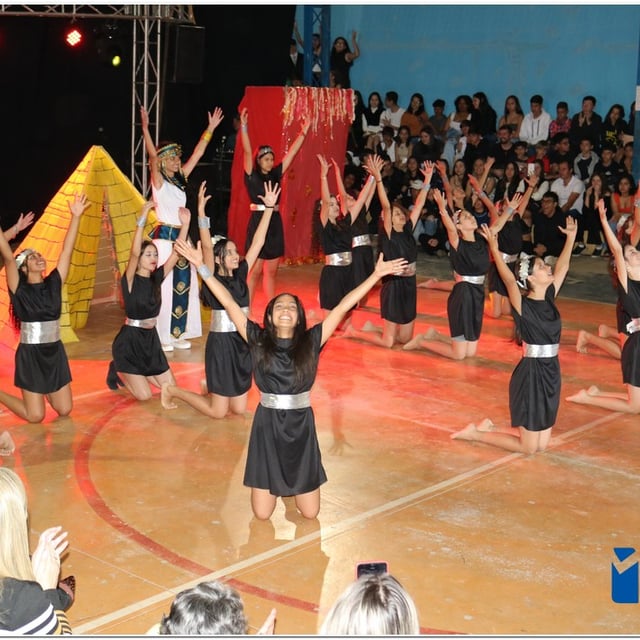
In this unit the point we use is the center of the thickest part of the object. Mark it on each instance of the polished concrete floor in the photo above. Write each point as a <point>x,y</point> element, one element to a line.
<point>487,542</point>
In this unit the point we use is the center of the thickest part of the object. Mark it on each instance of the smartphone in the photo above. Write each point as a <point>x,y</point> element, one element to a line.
<point>531,168</point>
<point>371,568</point>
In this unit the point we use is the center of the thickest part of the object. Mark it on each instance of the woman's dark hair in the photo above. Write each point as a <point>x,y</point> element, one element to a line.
<point>464,98</point>
<point>518,107</point>
<point>374,93</point>
<point>420,109</point>
<point>15,321</point>
<point>219,253</point>
<point>614,106</point>
<point>304,359</point>
<point>403,127</point>
<point>346,45</point>
<point>484,101</point>
<point>359,105</point>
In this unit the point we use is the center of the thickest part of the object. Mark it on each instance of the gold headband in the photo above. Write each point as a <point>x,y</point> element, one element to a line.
<point>168,150</point>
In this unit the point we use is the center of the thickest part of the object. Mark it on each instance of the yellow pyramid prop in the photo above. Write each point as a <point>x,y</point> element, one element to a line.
<point>113,199</point>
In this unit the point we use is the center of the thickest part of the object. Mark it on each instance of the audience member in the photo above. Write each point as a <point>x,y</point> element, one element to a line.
<point>463,109</point>
<point>403,148</point>
<point>387,144</point>
<point>484,116</point>
<point>428,146</point>
<point>561,151</point>
<point>371,126</point>
<point>502,151</point>
<point>392,115</point>
<point>608,167</point>
<point>477,147</point>
<point>548,240</point>
<point>585,162</point>
<point>586,123</point>
<point>512,117</point>
<point>342,57</point>
<point>613,127</point>
<point>415,117</point>
<point>535,125</point>
<point>438,120</point>
<point>295,67</point>
<point>562,122</point>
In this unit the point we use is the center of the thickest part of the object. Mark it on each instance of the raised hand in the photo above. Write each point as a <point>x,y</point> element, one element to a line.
<point>602,210</point>
<point>389,267</point>
<point>306,123</point>
<point>324,165</point>
<point>373,164</point>
<point>203,198</point>
<point>193,255</point>
<point>24,221</point>
<point>571,229</point>
<point>244,116</point>
<point>215,118</point>
<point>442,170</point>
<point>514,203</point>
<point>46,557</point>
<point>489,236</point>
<point>475,185</point>
<point>271,194</point>
<point>144,118</point>
<point>532,180</point>
<point>439,199</point>
<point>79,204</point>
<point>427,171</point>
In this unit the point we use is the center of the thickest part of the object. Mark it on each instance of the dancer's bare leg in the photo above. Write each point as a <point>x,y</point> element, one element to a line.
<point>443,345</point>
<point>61,400</point>
<point>607,345</point>
<point>592,396</point>
<point>309,503</point>
<point>605,331</point>
<point>434,283</point>
<point>521,441</point>
<point>371,333</point>
<point>7,445</point>
<point>262,503</point>
<point>30,407</point>
<point>212,405</point>
<point>137,385</point>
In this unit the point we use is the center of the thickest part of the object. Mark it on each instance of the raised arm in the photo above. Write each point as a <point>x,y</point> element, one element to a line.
<point>204,227</point>
<point>194,256</point>
<point>449,225</point>
<point>532,183</point>
<point>513,291</point>
<point>350,57</point>
<point>325,195</point>
<point>246,143</point>
<point>374,165</point>
<point>295,147</point>
<point>215,118</point>
<point>562,265</point>
<point>442,170</point>
<point>614,245</point>
<point>24,221</point>
<point>185,218</point>
<point>77,207</point>
<point>383,268</point>
<point>634,237</point>
<point>512,206</point>
<point>152,153</point>
<point>366,193</point>
<point>136,243</point>
<point>10,267</point>
<point>270,198</point>
<point>427,173</point>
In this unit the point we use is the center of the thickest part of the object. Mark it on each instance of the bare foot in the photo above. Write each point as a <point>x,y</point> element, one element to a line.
<point>349,332</point>
<point>593,390</point>
<point>369,326</point>
<point>427,284</point>
<point>204,389</point>
<point>581,342</point>
<point>579,397</point>
<point>486,425</point>
<point>414,343</point>
<point>467,433</point>
<point>7,445</point>
<point>165,397</point>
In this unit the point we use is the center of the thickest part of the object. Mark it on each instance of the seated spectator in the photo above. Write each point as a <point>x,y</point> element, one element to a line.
<point>570,190</point>
<point>477,147</point>
<point>608,167</point>
<point>412,174</point>
<point>562,122</point>
<point>508,185</point>
<point>415,117</point>
<point>585,162</point>
<point>371,126</point>
<point>626,164</point>
<point>596,190</point>
<point>512,117</point>
<point>586,123</point>
<point>613,127</point>
<point>481,171</point>
<point>355,141</point>
<point>542,186</point>
<point>548,241</point>
<point>463,111</point>
<point>461,146</point>
<point>403,148</point>
<point>622,202</point>
<point>387,144</point>
<point>561,151</point>
<point>502,151</point>
<point>31,601</point>
<point>438,120</point>
<point>521,149</point>
<point>373,605</point>
<point>542,154</point>
<point>459,177</point>
<point>484,117</point>
<point>392,179</point>
<point>428,147</point>
<point>535,125</point>
<point>209,609</point>
<point>392,115</point>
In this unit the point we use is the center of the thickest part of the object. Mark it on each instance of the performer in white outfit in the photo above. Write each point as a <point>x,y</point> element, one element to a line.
<point>179,316</point>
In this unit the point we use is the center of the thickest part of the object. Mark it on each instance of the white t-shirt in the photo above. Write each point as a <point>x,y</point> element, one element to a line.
<point>575,185</point>
<point>392,119</point>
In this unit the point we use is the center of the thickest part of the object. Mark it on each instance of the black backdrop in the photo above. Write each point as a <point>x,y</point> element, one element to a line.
<point>56,102</point>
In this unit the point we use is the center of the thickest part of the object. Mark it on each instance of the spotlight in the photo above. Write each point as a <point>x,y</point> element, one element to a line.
<point>116,59</point>
<point>108,45</point>
<point>73,36</point>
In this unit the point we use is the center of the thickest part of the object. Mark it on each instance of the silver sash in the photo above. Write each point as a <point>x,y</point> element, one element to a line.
<point>539,350</point>
<point>338,259</point>
<point>633,325</point>
<point>408,271</point>
<point>509,258</point>
<point>222,323</point>
<point>283,401</point>
<point>361,241</point>
<point>40,332</point>
<point>145,323</point>
<point>261,207</point>
<point>471,279</point>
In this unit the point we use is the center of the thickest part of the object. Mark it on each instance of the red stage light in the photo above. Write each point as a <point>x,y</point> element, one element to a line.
<point>73,37</point>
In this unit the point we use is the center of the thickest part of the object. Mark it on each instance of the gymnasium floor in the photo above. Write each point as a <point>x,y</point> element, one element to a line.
<point>486,542</point>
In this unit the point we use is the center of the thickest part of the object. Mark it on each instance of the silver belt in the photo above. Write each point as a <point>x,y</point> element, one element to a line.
<point>509,258</point>
<point>633,325</point>
<point>539,350</point>
<point>361,241</point>
<point>222,323</point>
<point>408,271</point>
<point>262,207</point>
<point>338,259</point>
<point>471,279</point>
<point>283,401</point>
<point>40,332</point>
<point>145,323</point>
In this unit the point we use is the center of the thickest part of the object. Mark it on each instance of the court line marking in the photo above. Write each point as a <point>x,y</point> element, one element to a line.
<point>332,531</point>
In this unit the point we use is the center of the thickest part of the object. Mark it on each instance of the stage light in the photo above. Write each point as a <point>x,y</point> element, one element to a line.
<point>116,59</point>
<point>73,36</point>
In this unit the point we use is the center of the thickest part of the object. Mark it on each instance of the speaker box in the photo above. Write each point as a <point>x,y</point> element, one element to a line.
<point>186,54</point>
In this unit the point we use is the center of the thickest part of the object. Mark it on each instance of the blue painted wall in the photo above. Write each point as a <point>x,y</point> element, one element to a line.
<point>562,52</point>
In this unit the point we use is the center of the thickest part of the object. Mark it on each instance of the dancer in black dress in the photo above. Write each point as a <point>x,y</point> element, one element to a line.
<point>534,389</point>
<point>138,357</point>
<point>398,297</point>
<point>627,261</point>
<point>465,305</point>
<point>284,456</point>
<point>257,173</point>
<point>41,364</point>
<point>227,359</point>
<point>336,278</point>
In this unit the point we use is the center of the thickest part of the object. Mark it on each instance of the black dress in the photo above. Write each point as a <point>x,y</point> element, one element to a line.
<point>335,281</point>
<point>362,262</point>
<point>534,389</point>
<point>631,351</point>
<point>227,361</point>
<point>398,296</point>
<point>274,242</point>
<point>136,350</point>
<point>284,455</point>
<point>509,242</point>
<point>40,368</point>
<point>465,305</point>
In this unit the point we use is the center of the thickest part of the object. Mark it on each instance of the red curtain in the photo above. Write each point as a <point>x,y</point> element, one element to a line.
<point>275,114</point>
